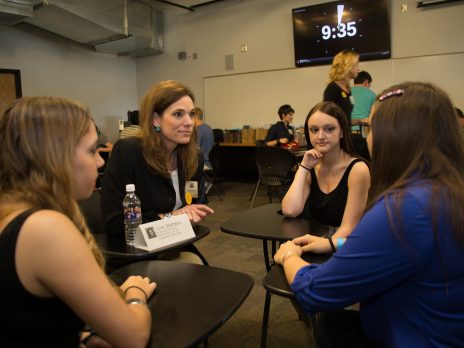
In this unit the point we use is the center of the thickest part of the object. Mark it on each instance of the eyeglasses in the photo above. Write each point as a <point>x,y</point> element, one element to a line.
<point>365,129</point>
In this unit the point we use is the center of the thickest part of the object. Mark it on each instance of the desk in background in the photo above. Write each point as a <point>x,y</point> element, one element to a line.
<point>190,301</point>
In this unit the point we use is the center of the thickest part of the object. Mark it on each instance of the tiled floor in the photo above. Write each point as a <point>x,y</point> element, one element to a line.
<point>243,329</point>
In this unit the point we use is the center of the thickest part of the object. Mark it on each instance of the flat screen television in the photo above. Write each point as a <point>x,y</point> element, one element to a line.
<point>321,31</point>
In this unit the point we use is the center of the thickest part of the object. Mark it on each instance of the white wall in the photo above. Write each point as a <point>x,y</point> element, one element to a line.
<point>51,65</point>
<point>427,45</point>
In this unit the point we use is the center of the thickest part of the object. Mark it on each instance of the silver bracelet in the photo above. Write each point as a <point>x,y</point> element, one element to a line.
<point>136,301</point>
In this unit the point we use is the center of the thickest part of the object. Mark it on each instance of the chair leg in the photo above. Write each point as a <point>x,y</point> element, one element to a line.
<point>267,305</point>
<point>269,193</point>
<point>267,263</point>
<point>217,191</point>
<point>254,193</point>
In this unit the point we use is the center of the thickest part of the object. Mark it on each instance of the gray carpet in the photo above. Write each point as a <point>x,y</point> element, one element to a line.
<point>245,255</point>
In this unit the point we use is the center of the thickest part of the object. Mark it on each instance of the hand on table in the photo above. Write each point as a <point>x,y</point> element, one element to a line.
<point>195,212</point>
<point>311,158</point>
<point>135,282</point>
<point>287,250</point>
<point>309,243</point>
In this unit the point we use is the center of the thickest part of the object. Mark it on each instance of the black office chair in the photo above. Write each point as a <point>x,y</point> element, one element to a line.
<point>91,209</point>
<point>274,165</point>
<point>218,135</point>
<point>212,175</point>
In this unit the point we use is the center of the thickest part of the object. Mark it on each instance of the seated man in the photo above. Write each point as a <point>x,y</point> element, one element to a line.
<point>205,137</point>
<point>281,132</point>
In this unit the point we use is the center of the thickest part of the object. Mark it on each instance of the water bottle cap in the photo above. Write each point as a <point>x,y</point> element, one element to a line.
<point>130,188</point>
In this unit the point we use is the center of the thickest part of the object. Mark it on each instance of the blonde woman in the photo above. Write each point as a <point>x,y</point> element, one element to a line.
<point>345,67</point>
<point>51,269</point>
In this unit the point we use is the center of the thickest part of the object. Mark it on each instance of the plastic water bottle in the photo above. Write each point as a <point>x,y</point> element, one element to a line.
<point>132,214</point>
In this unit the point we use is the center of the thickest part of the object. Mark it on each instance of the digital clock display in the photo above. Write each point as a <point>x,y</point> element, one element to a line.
<point>323,30</point>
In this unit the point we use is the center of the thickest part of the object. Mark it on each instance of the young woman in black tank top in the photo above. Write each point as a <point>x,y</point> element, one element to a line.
<point>331,185</point>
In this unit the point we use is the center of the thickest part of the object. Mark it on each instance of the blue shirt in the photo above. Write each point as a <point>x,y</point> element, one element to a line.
<point>205,141</point>
<point>410,294</point>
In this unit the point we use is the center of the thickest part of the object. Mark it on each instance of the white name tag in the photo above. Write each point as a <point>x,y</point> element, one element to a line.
<point>158,234</point>
<point>192,187</point>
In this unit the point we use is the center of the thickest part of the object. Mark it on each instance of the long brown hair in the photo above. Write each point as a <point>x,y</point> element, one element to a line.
<point>38,139</point>
<point>415,136</point>
<point>158,99</point>
<point>332,109</point>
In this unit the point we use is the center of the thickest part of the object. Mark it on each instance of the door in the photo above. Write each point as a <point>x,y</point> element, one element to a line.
<point>10,87</point>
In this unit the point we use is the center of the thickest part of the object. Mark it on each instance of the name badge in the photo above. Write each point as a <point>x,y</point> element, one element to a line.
<point>192,188</point>
<point>158,234</point>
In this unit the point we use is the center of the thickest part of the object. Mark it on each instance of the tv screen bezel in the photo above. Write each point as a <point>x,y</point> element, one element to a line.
<point>312,60</point>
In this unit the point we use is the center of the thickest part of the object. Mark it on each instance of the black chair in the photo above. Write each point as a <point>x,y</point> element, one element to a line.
<point>218,135</point>
<point>91,209</point>
<point>274,164</point>
<point>212,175</point>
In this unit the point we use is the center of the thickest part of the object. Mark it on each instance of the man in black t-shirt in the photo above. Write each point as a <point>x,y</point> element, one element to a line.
<point>281,132</point>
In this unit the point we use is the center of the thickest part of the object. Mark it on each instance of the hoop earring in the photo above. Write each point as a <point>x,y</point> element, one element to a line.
<point>157,129</point>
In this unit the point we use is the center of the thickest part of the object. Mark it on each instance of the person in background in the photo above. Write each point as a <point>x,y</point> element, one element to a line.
<point>104,145</point>
<point>403,261</point>
<point>134,129</point>
<point>331,184</point>
<point>164,162</point>
<point>281,132</point>
<point>205,137</point>
<point>345,67</point>
<point>363,98</point>
<point>51,268</point>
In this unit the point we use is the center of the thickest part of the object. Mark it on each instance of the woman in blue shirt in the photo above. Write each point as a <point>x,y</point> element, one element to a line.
<point>403,262</point>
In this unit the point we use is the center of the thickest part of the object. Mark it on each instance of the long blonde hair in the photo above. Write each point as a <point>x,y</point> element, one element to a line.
<point>158,99</point>
<point>38,138</point>
<point>342,64</point>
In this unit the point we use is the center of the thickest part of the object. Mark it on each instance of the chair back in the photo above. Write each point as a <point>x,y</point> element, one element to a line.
<point>214,159</point>
<point>91,209</point>
<point>274,164</point>
<point>218,135</point>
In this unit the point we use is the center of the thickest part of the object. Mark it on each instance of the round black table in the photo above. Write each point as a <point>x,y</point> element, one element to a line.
<point>190,301</point>
<point>268,224</point>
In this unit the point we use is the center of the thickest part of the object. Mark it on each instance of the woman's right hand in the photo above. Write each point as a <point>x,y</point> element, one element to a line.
<point>195,212</point>
<point>131,285</point>
<point>309,243</point>
<point>311,158</point>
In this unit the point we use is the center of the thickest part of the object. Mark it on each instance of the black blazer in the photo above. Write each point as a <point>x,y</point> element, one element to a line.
<point>127,166</point>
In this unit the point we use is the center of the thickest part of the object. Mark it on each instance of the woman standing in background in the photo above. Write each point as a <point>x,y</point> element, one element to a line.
<point>345,67</point>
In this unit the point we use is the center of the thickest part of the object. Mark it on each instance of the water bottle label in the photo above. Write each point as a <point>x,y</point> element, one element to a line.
<point>132,213</point>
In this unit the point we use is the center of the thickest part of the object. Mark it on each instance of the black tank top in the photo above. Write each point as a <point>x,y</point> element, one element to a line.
<point>328,208</point>
<point>27,320</point>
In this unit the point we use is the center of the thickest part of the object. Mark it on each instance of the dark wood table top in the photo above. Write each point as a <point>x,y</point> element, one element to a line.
<point>265,222</point>
<point>190,301</point>
<point>115,246</point>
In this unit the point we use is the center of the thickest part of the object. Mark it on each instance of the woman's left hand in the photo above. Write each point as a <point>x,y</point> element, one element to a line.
<point>285,250</point>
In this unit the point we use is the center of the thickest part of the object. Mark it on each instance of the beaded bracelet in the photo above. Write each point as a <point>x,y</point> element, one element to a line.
<point>136,287</point>
<point>332,244</point>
